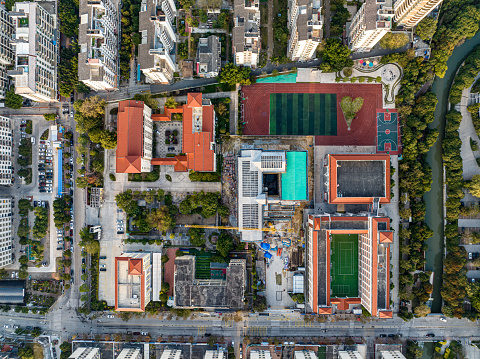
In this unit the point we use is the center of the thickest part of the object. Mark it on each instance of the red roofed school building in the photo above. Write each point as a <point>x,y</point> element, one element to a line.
<point>357,179</point>
<point>134,137</point>
<point>133,282</point>
<point>348,264</point>
<point>198,142</point>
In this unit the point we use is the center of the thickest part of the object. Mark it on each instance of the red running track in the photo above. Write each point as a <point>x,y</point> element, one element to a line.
<point>363,131</point>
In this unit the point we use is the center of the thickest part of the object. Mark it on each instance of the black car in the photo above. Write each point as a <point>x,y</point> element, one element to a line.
<point>103,257</point>
<point>383,335</point>
<point>103,269</point>
<point>136,333</point>
<point>430,335</point>
<point>42,191</point>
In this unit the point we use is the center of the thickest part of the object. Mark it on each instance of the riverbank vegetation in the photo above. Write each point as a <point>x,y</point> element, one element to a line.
<point>415,177</point>
<point>459,20</point>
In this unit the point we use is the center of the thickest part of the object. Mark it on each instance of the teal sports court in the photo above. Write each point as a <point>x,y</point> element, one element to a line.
<point>387,131</point>
<point>307,114</point>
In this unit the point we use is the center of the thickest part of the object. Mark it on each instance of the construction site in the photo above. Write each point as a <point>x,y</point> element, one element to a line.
<point>267,184</point>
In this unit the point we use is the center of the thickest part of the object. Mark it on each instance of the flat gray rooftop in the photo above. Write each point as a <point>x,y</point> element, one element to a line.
<point>361,178</point>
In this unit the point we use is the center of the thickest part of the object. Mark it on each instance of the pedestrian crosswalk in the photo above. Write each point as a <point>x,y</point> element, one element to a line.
<point>257,331</point>
<point>202,329</point>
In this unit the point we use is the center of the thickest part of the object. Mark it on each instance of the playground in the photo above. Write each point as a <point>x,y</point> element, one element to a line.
<point>288,109</point>
<point>344,270</point>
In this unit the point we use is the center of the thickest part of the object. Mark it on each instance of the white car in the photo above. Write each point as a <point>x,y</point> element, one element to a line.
<point>49,181</point>
<point>49,191</point>
<point>41,173</point>
<point>443,319</point>
<point>110,316</point>
<point>6,326</point>
<point>103,266</point>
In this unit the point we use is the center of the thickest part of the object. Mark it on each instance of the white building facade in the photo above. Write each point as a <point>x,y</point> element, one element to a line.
<point>372,21</point>
<point>246,33</point>
<point>5,151</point>
<point>98,60</point>
<point>409,13</point>
<point>6,235</point>
<point>305,22</point>
<point>36,44</point>
<point>6,51</point>
<point>156,51</point>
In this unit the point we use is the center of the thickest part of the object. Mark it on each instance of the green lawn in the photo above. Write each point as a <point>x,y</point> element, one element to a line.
<point>303,114</point>
<point>344,265</point>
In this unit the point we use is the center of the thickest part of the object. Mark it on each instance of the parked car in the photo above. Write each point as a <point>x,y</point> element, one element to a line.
<point>430,335</point>
<point>103,269</point>
<point>103,257</point>
<point>110,316</point>
<point>443,319</point>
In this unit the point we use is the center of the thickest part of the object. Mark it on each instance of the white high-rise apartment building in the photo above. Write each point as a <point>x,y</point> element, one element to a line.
<point>6,50</point>
<point>372,21</point>
<point>305,22</point>
<point>5,151</point>
<point>246,33</point>
<point>98,60</point>
<point>86,353</point>
<point>409,13</point>
<point>36,44</point>
<point>156,51</point>
<point>6,237</point>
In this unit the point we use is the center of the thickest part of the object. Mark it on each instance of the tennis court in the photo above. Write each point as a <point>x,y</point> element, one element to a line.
<point>387,131</point>
<point>344,270</point>
<point>308,114</point>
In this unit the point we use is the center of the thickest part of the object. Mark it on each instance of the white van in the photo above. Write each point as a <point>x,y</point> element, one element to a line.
<point>33,140</point>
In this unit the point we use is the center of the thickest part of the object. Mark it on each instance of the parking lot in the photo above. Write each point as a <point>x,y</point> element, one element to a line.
<point>42,189</point>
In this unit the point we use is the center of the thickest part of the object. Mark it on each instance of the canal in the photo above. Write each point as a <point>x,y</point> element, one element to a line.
<point>434,198</point>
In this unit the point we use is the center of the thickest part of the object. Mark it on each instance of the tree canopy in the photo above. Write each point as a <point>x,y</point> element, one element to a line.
<point>13,100</point>
<point>161,218</point>
<point>350,107</point>
<point>426,28</point>
<point>335,56</point>
<point>393,41</point>
<point>224,244</point>
<point>232,75</point>
<point>474,186</point>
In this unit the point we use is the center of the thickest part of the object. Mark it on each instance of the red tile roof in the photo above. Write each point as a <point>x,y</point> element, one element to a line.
<point>385,314</point>
<point>135,267</point>
<point>333,198</point>
<point>323,310</point>
<point>386,237</point>
<point>195,144</point>
<point>129,136</point>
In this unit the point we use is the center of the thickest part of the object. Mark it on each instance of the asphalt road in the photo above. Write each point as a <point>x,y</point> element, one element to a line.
<point>253,326</point>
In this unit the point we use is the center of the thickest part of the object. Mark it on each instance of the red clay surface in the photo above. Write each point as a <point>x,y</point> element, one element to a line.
<point>363,131</point>
<point>169,269</point>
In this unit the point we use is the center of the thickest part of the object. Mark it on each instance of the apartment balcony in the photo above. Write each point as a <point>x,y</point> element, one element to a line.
<point>160,52</point>
<point>95,32</point>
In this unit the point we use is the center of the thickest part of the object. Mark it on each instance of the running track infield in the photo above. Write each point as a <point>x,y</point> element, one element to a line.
<point>256,110</point>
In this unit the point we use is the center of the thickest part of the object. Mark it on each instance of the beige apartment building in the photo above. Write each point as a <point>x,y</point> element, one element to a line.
<point>409,13</point>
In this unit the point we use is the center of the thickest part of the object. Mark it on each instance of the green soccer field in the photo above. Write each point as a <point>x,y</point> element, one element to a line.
<point>308,114</point>
<point>344,270</point>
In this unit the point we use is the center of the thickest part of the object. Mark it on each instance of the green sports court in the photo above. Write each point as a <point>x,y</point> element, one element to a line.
<point>308,114</point>
<point>344,270</point>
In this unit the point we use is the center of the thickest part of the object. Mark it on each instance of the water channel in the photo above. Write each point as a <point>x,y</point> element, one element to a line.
<point>434,198</point>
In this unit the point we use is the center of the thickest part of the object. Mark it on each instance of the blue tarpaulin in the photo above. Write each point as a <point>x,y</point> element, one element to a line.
<point>265,246</point>
<point>267,255</point>
<point>60,172</point>
<point>138,73</point>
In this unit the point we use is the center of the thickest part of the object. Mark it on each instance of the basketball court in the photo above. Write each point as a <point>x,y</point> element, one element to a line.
<point>344,271</point>
<point>387,131</point>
